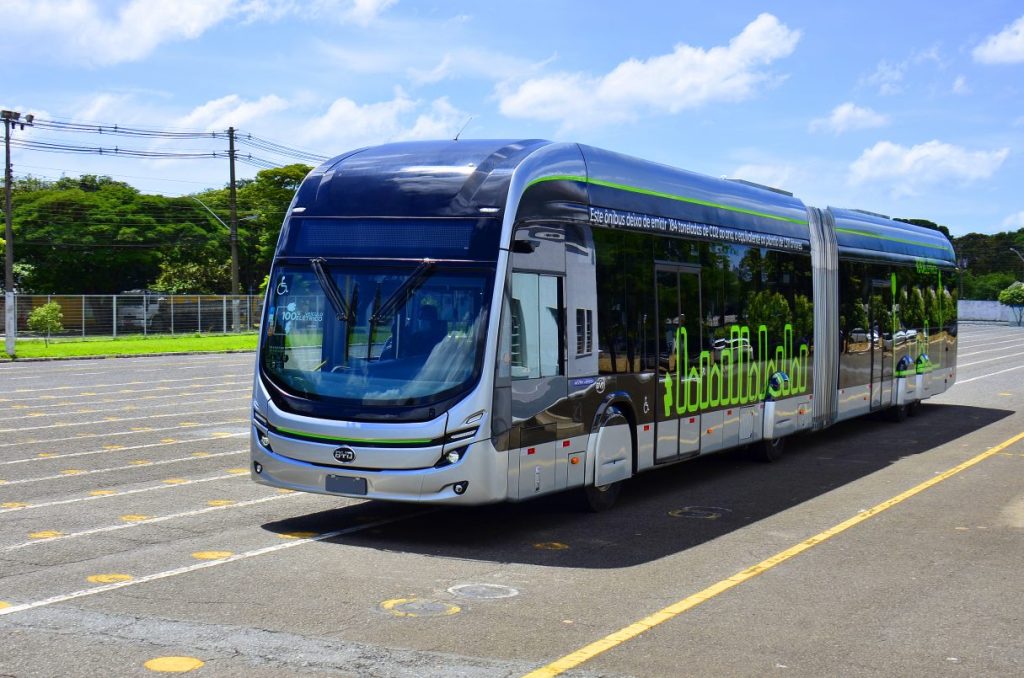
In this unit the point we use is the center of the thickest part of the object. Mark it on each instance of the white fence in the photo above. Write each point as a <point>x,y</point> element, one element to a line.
<point>95,315</point>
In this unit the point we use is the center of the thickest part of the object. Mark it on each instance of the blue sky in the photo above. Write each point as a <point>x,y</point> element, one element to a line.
<point>912,109</point>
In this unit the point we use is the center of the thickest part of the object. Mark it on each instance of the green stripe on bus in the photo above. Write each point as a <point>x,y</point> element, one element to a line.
<point>378,441</point>
<point>667,196</point>
<point>853,231</point>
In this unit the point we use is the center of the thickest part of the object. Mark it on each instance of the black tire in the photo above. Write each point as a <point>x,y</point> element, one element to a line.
<point>914,408</point>
<point>898,413</point>
<point>768,451</point>
<point>597,499</point>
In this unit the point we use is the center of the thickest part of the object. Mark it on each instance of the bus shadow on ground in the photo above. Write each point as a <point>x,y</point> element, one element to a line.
<point>659,513</point>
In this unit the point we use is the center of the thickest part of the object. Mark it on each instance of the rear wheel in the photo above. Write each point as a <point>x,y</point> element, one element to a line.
<point>899,413</point>
<point>768,450</point>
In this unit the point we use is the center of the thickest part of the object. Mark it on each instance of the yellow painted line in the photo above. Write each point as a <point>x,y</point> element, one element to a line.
<point>174,664</point>
<point>212,555</point>
<point>3,604</point>
<point>612,640</point>
<point>45,534</point>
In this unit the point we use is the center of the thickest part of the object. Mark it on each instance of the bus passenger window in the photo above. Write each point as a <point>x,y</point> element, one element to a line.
<point>536,313</point>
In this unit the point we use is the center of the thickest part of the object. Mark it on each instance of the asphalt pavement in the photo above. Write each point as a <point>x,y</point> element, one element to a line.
<point>133,542</point>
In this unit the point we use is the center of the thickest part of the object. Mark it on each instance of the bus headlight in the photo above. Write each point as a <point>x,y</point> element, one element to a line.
<point>451,457</point>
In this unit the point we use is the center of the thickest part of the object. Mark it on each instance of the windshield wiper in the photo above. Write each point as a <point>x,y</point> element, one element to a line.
<point>341,309</point>
<point>415,279</point>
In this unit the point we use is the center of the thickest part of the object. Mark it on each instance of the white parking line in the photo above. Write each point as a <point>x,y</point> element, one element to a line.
<point>112,420</point>
<point>106,401</point>
<point>1014,343</point>
<point>989,360</point>
<point>63,598</point>
<point>88,472</point>
<point>83,436</point>
<point>147,521</point>
<point>120,493</point>
<point>990,374</point>
<point>125,383</point>
<point>38,416</point>
<point>172,392</point>
<point>110,450</point>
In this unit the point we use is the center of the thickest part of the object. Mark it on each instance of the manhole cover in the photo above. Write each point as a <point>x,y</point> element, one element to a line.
<point>483,591</point>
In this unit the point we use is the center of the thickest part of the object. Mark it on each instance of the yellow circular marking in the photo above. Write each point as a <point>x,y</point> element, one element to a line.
<point>297,535</point>
<point>211,555</point>
<point>44,455</point>
<point>134,517</point>
<point>71,472</point>
<point>174,481</point>
<point>222,434</point>
<point>188,423</point>
<point>110,578</point>
<point>112,447</point>
<point>112,418</point>
<point>237,471</point>
<point>13,504</point>
<point>200,454</point>
<point>102,493</point>
<point>140,462</point>
<point>45,534</point>
<point>168,441</point>
<point>551,546</point>
<point>3,604</point>
<point>285,490</point>
<point>220,502</point>
<point>414,607</point>
<point>174,664</point>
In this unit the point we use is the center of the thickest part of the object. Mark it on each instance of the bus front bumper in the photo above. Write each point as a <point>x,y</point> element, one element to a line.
<point>482,474</point>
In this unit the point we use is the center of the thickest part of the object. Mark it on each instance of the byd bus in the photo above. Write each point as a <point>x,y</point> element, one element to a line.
<point>464,322</point>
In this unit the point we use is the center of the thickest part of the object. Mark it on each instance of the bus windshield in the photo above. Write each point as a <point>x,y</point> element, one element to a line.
<point>387,335</point>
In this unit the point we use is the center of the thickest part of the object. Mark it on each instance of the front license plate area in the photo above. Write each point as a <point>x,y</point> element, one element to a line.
<point>346,484</point>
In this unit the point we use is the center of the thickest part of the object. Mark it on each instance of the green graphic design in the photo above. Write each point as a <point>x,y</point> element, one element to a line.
<point>736,378</point>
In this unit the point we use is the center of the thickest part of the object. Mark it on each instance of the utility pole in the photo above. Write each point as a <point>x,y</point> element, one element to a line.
<point>233,229</point>
<point>1018,254</point>
<point>10,118</point>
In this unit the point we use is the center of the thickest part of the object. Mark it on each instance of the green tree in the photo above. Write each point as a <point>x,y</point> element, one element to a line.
<point>1013,296</point>
<point>771,310</point>
<point>46,320</point>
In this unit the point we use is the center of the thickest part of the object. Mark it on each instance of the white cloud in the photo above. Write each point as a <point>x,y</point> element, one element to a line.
<point>231,111</point>
<point>1005,47</point>
<point>470,62</point>
<point>848,116</point>
<point>960,86</point>
<point>688,77</point>
<point>348,124</point>
<point>888,77</point>
<point>83,30</point>
<point>91,33</point>
<point>908,168</point>
<point>1014,221</point>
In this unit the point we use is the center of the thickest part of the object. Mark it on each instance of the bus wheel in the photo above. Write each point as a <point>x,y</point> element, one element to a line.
<point>768,450</point>
<point>898,413</point>
<point>601,498</point>
<point>914,408</point>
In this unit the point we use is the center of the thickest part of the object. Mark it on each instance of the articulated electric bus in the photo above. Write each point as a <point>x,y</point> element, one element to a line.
<point>464,322</point>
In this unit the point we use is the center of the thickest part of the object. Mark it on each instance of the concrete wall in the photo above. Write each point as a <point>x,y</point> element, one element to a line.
<point>992,311</point>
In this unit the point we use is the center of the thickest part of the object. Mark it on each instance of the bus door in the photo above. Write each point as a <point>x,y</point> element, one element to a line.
<point>882,339</point>
<point>679,346</point>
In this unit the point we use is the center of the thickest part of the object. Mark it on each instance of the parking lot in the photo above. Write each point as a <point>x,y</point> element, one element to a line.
<point>132,541</point>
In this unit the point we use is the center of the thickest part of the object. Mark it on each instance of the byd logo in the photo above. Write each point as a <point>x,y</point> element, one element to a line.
<point>345,454</point>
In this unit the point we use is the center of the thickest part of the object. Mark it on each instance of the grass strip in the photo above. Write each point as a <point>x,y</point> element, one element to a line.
<point>133,345</point>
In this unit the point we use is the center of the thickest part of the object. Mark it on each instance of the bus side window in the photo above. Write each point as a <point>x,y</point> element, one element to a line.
<point>536,312</point>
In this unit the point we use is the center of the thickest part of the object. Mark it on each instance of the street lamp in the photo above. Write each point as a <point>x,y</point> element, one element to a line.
<point>1018,254</point>
<point>233,235</point>
<point>10,118</point>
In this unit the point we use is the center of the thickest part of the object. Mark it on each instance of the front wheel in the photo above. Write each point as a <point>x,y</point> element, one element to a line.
<point>601,498</point>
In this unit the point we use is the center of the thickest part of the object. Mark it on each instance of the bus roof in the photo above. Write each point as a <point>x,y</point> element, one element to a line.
<point>472,178</point>
<point>869,234</point>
